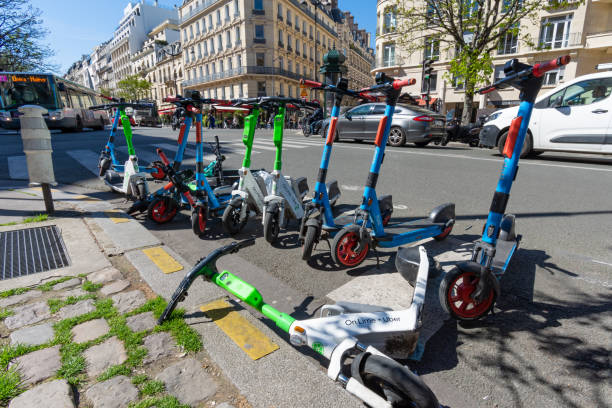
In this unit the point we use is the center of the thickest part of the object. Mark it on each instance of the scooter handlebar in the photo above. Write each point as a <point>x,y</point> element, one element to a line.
<point>109,98</point>
<point>310,84</point>
<point>400,83</point>
<point>541,69</point>
<point>162,155</point>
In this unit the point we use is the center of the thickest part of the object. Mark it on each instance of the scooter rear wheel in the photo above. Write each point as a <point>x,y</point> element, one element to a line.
<point>231,219</point>
<point>455,295</point>
<point>199,216</point>
<point>309,242</point>
<point>343,248</point>
<point>393,381</point>
<point>162,209</point>
<point>444,233</point>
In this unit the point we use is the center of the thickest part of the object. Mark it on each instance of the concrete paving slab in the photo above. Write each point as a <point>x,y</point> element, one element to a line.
<point>126,235</point>
<point>18,168</point>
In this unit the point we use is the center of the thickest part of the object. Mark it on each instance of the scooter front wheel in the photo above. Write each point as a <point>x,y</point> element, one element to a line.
<point>199,216</point>
<point>309,242</point>
<point>271,227</point>
<point>344,246</point>
<point>104,165</point>
<point>393,381</point>
<point>444,233</point>
<point>455,295</point>
<point>162,209</point>
<point>231,219</point>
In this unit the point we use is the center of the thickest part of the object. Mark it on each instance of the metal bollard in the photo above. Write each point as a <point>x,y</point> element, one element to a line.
<point>36,140</point>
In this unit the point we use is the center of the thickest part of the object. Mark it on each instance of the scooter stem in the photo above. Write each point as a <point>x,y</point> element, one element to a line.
<point>279,124</point>
<point>248,135</point>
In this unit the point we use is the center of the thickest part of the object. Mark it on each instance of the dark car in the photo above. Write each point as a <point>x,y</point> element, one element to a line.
<point>410,124</point>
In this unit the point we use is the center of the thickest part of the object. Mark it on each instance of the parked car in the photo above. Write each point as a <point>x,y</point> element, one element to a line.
<point>574,117</point>
<point>410,124</point>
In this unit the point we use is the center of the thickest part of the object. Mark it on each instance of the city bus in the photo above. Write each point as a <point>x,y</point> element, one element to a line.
<point>66,101</point>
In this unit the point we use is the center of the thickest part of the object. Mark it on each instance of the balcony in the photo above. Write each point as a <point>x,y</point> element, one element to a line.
<point>259,40</point>
<point>599,40</point>
<point>204,5</point>
<point>259,12</point>
<point>570,40</point>
<point>289,48</point>
<point>289,23</point>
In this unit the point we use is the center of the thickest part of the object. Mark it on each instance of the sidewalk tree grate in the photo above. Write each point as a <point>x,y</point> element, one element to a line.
<point>32,250</point>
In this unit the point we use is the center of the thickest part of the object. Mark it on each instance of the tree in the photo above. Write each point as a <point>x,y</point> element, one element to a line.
<point>105,91</point>
<point>20,34</point>
<point>468,30</point>
<point>133,87</point>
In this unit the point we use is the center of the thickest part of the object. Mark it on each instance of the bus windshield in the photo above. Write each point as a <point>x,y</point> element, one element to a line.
<point>26,89</point>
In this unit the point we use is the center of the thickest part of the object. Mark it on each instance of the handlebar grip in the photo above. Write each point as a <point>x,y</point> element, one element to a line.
<point>541,69</point>
<point>399,83</point>
<point>486,90</point>
<point>109,98</point>
<point>171,99</point>
<point>310,84</point>
<point>162,155</point>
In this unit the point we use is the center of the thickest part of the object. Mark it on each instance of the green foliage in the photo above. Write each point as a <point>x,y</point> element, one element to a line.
<point>49,285</point>
<point>167,401</point>
<point>120,369</point>
<point>44,287</point>
<point>57,304</point>
<point>8,352</point>
<point>13,292</point>
<point>91,287</point>
<point>105,91</point>
<point>139,379</point>
<point>152,387</point>
<point>184,335</point>
<point>133,87</point>
<point>4,313</point>
<point>10,384</point>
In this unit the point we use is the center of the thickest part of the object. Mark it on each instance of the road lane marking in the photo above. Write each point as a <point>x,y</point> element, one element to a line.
<point>18,168</point>
<point>285,144</point>
<point>242,332</point>
<point>163,260</point>
<point>117,216</point>
<point>255,145</point>
<point>458,156</point>
<point>86,158</point>
<point>143,156</point>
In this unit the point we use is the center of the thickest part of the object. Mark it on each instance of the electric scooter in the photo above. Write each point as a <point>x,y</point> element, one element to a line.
<point>133,181</point>
<point>251,190</point>
<point>469,290</point>
<point>319,222</point>
<point>343,332</point>
<point>285,194</point>
<point>351,245</point>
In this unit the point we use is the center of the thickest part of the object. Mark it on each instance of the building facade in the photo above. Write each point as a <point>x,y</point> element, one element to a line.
<point>80,72</point>
<point>139,19</point>
<point>355,43</point>
<point>248,48</point>
<point>582,30</point>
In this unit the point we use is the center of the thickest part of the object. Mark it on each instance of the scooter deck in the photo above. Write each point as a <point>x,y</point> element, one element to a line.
<point>399,228</point>
<point>503,253</point>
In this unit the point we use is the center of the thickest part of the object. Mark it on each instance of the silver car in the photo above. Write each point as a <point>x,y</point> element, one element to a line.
<point>410,124</point>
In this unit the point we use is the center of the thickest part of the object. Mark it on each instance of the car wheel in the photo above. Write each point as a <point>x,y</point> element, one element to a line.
<point>397,137</point>
<point>527,145</point>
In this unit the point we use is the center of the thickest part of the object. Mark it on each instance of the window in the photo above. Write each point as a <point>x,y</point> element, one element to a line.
<point>236,8</point>
<point>218,17</point>
<point>280,38</point>
<point>433,81</point>
<point>389,55</point>
<point>228,39</point>
<point>260,59</point>
<point>229,64</point>
<point>498,73</point>
<point>239,59</point>
<point>458,82</point>
<point>259,32</point>
<point>227,12</point>
<point>199,50</point>
<point>378,110</point>
<point>432,48</point>
<point>389,21</point>
<point>197,24</point>
<point>238,40</point>
<point>554,77</point>
<point>555,32</point>
<point>281,63</point>
<point>261,89</point>
<point>221,67</point>
<point>207,70</point>
<point>360,110</point>
<point>190,32</point>
<point>258,5</point>
<point>205,48</point>
<point>279,11</point>
<point>289,17</point>
<point>582,93</point>
<point>509,43</point>
<point>220,42</point>
<point>297,23</point>
<point>210,22</point>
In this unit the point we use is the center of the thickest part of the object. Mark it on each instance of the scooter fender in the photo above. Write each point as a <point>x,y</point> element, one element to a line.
<point>271,207</point>
<point>486,279</point>
<point>444,213</point>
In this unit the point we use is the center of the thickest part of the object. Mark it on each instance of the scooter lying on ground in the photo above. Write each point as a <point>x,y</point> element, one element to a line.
<point>342,332</point>
<point>470,289</point>
<point>351,245</point>
<point>319,222</point>
<point>251,190</point>
<point>285,197</point>
<point>133,181</point>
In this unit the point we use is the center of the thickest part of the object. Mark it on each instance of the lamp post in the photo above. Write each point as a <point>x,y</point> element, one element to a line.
<point>333,65</point>
<point>174,50</point>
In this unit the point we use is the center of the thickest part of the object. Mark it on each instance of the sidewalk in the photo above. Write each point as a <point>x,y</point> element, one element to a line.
<point>85,334</point>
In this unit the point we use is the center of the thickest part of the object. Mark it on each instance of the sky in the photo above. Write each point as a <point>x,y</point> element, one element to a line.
<point>77,26</point>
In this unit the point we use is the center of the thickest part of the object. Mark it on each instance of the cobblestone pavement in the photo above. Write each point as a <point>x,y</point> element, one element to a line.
<point>93,341</point>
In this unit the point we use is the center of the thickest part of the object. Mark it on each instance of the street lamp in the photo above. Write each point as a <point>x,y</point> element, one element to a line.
<point>174,50</point>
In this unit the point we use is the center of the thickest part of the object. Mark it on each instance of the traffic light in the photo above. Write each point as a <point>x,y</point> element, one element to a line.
<point>427,70</point>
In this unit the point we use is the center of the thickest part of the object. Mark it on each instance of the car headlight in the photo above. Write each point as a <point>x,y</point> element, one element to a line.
<point>56,115</point>
<point>493,116</point>
<point>6,116</point>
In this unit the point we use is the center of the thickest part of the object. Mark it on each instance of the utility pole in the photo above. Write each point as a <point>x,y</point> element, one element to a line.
<point>427,70</point>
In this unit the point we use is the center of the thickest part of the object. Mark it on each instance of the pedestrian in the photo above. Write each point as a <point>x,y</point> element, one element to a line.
<point>211,120</point>
<point>235,122</point>
<point>271,122</point>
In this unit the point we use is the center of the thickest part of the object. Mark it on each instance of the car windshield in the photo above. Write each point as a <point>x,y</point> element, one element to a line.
<point>18,90</point>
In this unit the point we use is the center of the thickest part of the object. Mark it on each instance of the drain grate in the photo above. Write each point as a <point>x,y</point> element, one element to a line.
<point>32,250</point>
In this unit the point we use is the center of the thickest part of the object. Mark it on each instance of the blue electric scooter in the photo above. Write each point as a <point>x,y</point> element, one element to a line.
<point>351,245</point>
<point>469,290</point>
<point>318,221</point>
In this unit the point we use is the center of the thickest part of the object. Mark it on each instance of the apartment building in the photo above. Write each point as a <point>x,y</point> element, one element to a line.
<point>355,43</point>
<point>248,48</point>
<point>582,30</point>
<point>79,72</point>
<point>159,61</point>
<point>139,18</point>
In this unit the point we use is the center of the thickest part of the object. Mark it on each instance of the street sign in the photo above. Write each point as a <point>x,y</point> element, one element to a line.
<point>303,92</point>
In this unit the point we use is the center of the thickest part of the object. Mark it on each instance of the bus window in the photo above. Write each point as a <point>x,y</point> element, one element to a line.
<point>64,98</point>
<point>74,99</point>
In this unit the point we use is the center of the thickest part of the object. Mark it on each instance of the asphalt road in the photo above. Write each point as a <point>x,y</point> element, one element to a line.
<point>547,345</point>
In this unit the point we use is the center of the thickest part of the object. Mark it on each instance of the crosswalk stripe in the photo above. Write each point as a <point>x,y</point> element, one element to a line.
<point>256,146</point>
<point>86,158</point>
<point>285,144</point>
<point>301,141</point>
<point>18,169</point>
<point>188,151</point>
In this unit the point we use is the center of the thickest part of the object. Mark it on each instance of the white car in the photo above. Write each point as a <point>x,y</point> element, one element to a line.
<point>574,117</point>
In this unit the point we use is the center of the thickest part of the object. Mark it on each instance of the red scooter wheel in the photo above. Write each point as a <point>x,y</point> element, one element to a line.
<point>344,245</point>
<point>444,233</point>
<point>199,216</point>
<point>162,209</point>
<point>456,292</point>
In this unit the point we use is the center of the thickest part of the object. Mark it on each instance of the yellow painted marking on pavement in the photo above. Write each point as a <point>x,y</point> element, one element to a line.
<point>85,198</point>
<point>248,337</point>
<point>117,216</point>
<point>163,260</point>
